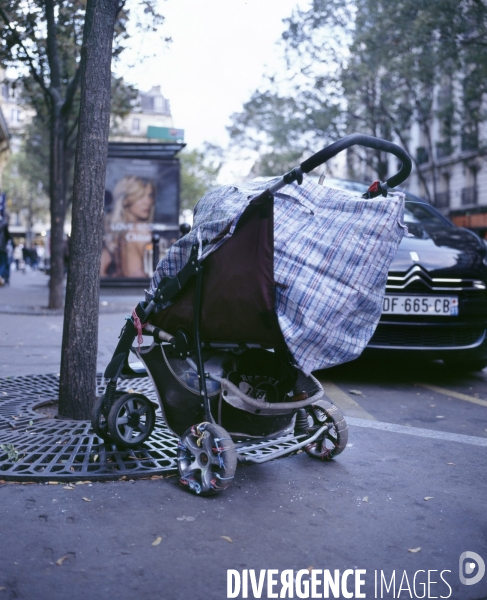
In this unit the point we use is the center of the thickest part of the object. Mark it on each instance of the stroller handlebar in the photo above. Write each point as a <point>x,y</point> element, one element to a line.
<point>368,142</point>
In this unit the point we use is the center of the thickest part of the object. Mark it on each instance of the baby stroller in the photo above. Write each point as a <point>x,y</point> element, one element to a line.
<point>228,383</point>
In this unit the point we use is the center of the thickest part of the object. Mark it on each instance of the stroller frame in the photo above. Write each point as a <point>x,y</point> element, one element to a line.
<point>207,448</point>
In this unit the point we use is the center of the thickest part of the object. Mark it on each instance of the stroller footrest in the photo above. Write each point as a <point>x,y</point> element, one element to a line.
<point>260,452</point>
<point>238,399</point>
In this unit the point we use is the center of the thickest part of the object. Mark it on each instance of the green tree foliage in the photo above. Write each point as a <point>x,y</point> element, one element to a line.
<point>375,67</point>
<point>23,181</point>
<point>199,172</point>
<point>43,41</point>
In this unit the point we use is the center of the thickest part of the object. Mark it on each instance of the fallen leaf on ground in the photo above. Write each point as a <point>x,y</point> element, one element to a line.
<point>185,518</point>
<point>310,569</point>
<point>228,539</point>
<point>428,498</point>
<point>60,561</point>
<point>68,487</point>
<point>365,499</point>
<point>157,477</point>
<point>86,499</point>
<point>157,541</point>
<point>454,464</point>
<point>414,549</point>
<point>356,392</point>
<point>53,482</point>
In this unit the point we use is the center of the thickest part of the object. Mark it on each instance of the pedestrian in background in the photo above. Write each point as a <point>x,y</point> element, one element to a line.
<point>5,238</point>
<point>18,257</point>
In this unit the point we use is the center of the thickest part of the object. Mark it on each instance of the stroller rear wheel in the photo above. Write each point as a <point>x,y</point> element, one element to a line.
<point>131,420</point>
<point>333,441</point>
<point>207,459</point>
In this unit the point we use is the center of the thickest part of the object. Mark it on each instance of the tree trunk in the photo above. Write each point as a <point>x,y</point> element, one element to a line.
<point>56,175</point>
<point>58,209</point>
<point>80,334</point>
<point>432,198</point>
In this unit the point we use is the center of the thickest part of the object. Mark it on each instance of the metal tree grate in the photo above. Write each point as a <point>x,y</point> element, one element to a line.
<point>37,447</point>
<point>34,446</point>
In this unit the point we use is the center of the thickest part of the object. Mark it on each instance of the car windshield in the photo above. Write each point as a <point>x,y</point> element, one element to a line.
<point>343,184</point>
<point>414,212</point>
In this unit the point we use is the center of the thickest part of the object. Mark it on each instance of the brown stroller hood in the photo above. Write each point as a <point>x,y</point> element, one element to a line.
<point>238,304</point>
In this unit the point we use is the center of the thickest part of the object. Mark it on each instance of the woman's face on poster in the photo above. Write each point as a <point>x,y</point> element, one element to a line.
<point>140,208</point>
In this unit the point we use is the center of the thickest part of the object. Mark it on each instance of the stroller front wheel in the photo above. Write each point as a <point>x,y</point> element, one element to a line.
<point>131,420</point>
<point>99,421</point>
<point>207,459</point>
<point>332,442</point>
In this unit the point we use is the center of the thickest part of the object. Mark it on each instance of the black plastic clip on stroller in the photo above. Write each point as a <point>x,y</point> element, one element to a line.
<point>225,380</point>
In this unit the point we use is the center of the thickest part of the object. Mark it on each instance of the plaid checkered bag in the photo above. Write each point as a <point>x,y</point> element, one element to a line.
<point>332,252</point>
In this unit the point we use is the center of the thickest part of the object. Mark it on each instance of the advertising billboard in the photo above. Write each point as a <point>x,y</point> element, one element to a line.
<point>141,197</point>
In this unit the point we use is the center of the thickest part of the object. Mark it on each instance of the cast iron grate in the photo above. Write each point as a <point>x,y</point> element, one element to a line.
<point>37,447</point>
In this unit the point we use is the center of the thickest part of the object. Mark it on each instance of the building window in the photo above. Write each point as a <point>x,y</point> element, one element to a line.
<point>443,149</point>
<point>469,192</point>
<point>422,155</point>
<point>14,116</point>
<point>147,103</point>
<point>442,196</point>
<point>470,140</point>
<point>469,196</point>
<point>136,125</point>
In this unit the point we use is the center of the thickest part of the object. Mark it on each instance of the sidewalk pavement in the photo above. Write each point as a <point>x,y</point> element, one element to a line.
<point>27,325</point>
<point>367,509</point>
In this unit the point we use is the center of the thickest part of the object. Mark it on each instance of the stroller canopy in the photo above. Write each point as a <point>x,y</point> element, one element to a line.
<point>331,255</point>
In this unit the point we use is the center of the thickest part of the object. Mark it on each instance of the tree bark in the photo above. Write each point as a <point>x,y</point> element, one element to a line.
<point>57,163</point>
<point>80,333</point>
<point>58,210</point>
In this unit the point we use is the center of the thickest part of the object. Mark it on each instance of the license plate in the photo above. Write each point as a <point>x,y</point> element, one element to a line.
<point>421,305</point>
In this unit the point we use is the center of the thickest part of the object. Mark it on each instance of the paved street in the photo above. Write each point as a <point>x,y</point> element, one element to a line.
<point>407,495</point>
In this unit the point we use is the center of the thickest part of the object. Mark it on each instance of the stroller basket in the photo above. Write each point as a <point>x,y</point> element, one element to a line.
<point>231,373</point>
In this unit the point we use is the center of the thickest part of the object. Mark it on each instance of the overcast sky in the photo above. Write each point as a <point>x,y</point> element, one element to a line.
<point>219,53</point>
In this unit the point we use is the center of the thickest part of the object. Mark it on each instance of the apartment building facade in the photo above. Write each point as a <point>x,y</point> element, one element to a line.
<point>451,170</point>
<point>149,120</point>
